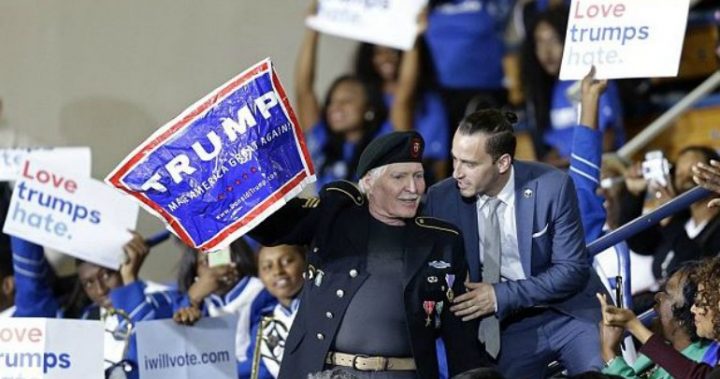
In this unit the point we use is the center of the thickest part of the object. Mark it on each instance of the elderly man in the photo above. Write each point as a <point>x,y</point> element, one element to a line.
<point>380,280</point>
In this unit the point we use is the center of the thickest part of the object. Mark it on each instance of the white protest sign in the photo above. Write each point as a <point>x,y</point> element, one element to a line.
<point>624,38</point>
<point>390,23</point>
<point>50,348</point>
<point>74,214</point>
<point>172,351</point>
<point>76,159</point>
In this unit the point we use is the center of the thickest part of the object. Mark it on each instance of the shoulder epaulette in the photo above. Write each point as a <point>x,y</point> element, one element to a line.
<point>346,188</point>
<point>437,224</point>
<point>311,202</point>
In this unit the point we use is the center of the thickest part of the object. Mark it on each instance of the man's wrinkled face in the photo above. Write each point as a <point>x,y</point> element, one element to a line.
<point>395,193</point>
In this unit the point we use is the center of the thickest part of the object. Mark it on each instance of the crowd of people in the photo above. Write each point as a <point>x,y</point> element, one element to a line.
<point>431,250</point>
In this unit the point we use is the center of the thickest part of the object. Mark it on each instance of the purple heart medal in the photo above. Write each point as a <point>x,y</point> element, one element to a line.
<point>450,279</point>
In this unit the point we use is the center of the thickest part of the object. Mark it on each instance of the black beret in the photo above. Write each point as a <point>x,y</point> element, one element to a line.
<point>395,147</point>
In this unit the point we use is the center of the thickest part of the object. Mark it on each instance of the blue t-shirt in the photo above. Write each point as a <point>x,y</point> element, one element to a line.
<point>430,120</point>
<point>465,38</point>
<point>564,117</point>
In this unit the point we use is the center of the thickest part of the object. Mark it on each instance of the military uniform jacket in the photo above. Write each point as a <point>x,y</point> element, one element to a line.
<point>336,229</point>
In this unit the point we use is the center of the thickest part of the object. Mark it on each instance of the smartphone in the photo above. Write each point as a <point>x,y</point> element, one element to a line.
<point>219,257</point>
<point>619,301</point>
<point>656,168</point>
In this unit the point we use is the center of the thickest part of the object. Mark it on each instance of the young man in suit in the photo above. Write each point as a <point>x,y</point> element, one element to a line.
<point>531,283</point>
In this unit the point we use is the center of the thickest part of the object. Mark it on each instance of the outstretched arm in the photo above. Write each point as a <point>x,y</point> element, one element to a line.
<point>586,156</point>
<point>308,107</point>
<point>403,107</point>
<point>33,295</point>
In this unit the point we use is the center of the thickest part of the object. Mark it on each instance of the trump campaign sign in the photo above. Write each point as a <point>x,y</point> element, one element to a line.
<point>224,164</point>
<point>624,38</point>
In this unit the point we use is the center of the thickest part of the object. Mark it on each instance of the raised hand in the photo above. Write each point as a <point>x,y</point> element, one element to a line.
<point>211,279</point>
<point>135,253</point>
<point>708,176</point>
<point>591,91</point>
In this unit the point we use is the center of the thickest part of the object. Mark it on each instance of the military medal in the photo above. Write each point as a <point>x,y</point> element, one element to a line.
<point>438,311</point>
<point>428,306</point>
<point>450,279</point>
<point>319,278</point>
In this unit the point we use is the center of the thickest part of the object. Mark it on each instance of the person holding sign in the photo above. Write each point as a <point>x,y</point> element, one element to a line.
<point>339,129</point>
<point>116,296</point>
<point>553,116</point>
<point>406,80</point>
<point>217,289</point>
<point>281,270</point>
<point>380,279</point>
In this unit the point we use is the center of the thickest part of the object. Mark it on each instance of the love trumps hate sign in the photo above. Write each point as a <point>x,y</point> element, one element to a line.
<point>624,38</point>
<point>72,213</point>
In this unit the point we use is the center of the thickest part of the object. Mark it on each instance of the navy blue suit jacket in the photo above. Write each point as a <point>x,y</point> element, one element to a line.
<point>550,240</point>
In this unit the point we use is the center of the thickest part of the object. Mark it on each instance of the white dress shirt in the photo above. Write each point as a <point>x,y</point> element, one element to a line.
<point>510,265</point>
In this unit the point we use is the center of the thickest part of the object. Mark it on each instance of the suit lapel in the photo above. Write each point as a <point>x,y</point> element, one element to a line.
<point>417,250</point>
<point>525,195</point>
<point>469,225</point>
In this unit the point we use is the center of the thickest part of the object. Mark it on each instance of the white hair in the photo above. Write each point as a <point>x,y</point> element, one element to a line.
<point>371,175</point>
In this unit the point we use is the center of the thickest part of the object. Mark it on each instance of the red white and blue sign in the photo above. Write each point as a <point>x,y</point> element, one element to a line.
<point>224,164</point>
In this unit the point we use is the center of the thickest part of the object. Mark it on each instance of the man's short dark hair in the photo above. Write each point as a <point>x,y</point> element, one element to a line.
<point>497,125</point>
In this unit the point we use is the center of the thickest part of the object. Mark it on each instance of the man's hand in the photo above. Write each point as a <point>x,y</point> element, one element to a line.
<point>708,177</point>
<point>477,302</point>
<point>135,253</point>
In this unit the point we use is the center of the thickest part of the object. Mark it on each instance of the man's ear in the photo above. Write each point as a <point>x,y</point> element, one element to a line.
<point>504,163</point>
<point>367,182</point>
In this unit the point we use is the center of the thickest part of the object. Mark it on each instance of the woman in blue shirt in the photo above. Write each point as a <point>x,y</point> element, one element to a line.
<point>409,91</point>
<point>349,118</point>
<point>552,115</point>
<point>280,269</point>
